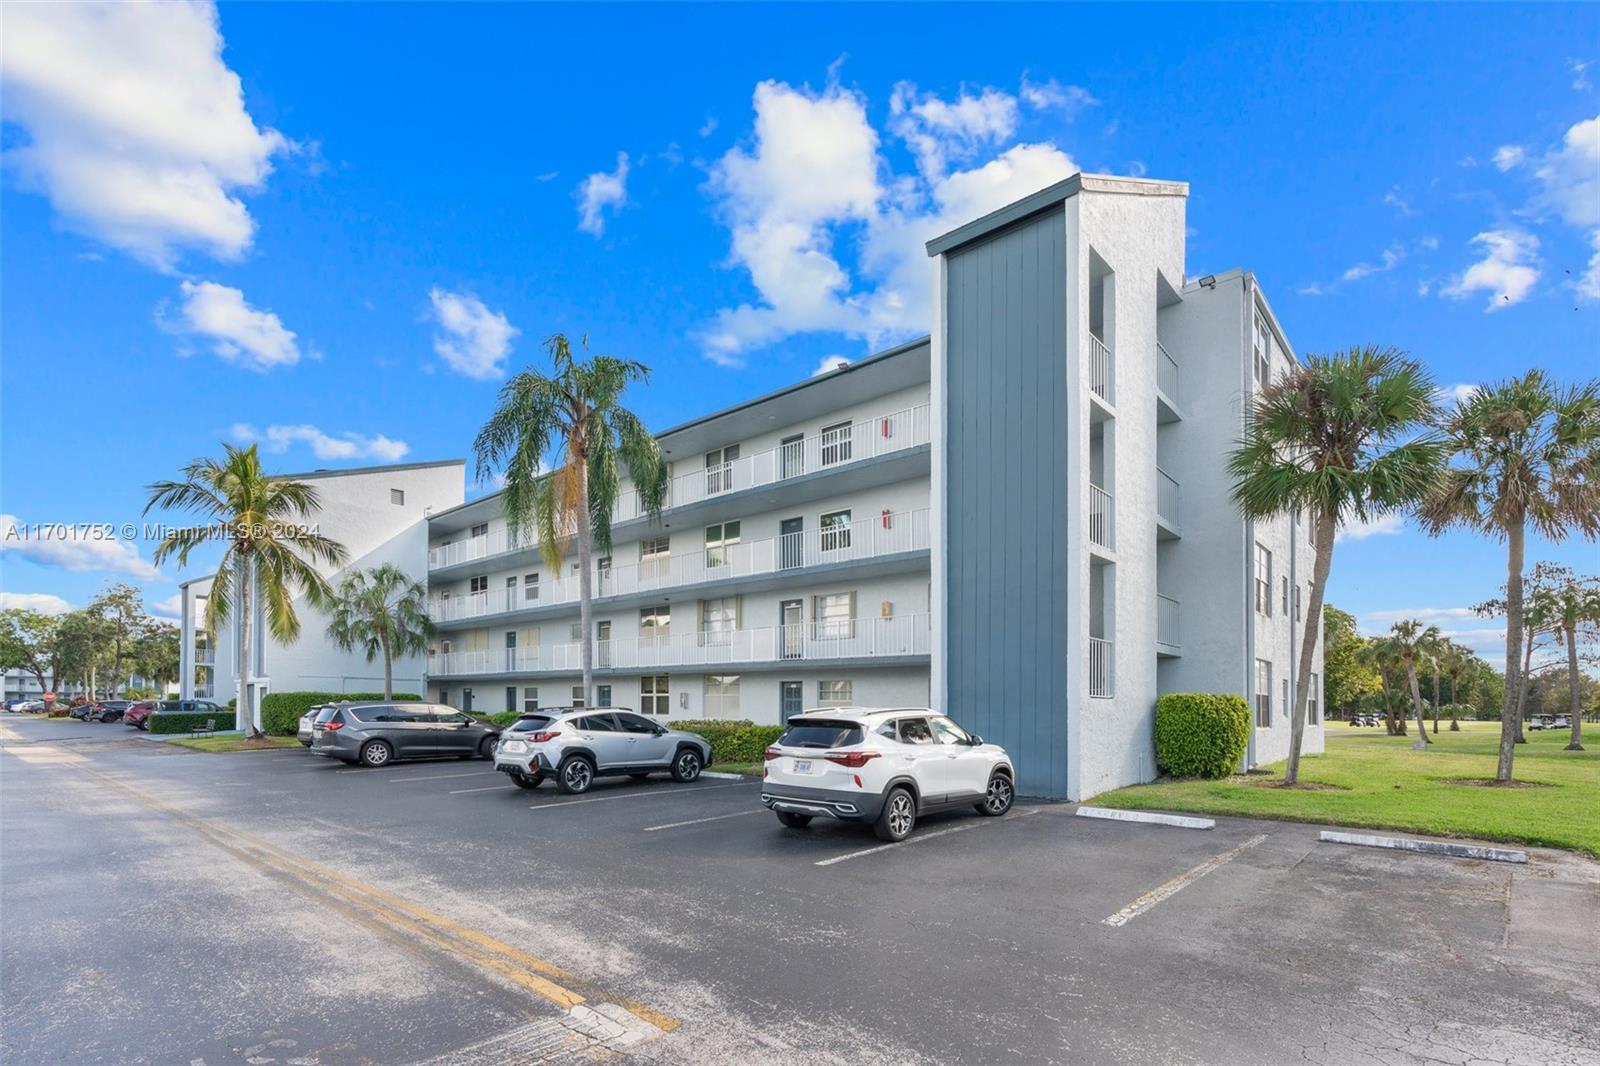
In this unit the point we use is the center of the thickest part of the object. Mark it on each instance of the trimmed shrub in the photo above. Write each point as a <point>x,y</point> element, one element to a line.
<point>501,718</point>
<point>187,721</point>
<point>1201,734</point>
<point>281,711</point>
<point>732,740</point>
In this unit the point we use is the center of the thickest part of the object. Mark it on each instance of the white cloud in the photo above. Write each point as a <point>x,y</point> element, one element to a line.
<point>237,332</point>
<point>709,126</point>
<point>1569,180</point>
<point>171,607</point>
<point>347,445</point>
<point>39,602</point>
<point>812,179</point>
<point>1580,75</point>
<point>599,191</point>
<point>1391,258</point>
<point>1455,394</point>
<point>1053,96</point>
<point>1422,614</point>
<point>1588,284</point>
<point>1506,272</point>
<point>1373,527</point>
<point>80,548</point>
<point>137,129</point>
<point>474,340</point>
<point>1429,243</point>
<point>829,364</point>
<point>1509,156</point>
<point>1393,199</point>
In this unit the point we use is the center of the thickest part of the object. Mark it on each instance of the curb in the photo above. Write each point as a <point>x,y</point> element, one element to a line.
<point>1425,847</point>
<point>1146,817</point>
<point>720,776</point>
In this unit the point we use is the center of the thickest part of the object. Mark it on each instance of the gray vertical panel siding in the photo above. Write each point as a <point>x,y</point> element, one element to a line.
<point>1006,449</point>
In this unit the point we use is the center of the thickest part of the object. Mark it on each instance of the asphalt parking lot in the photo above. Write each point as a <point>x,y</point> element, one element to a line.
<point>161,905</point>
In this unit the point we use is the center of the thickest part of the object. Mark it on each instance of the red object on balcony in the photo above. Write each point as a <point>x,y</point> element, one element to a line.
<point>888,427</point>
<point>887,517</point>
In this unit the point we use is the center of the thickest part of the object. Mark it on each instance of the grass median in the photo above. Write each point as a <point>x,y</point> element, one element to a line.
<point>1373,780</point>
<point>234,742</point>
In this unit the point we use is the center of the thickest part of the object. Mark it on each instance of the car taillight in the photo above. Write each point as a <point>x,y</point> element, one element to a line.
<point>549,734</point>
<point>770,754</point>
<point>855,760</point>
<point>331,726</point>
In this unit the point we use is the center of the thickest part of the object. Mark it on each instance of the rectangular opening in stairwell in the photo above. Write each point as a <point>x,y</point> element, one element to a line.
<point>1102,519</point>
<point>1102,627</point>
<point>1102,331</point>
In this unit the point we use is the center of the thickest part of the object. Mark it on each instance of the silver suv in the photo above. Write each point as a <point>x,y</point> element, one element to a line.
<point>574,745</point>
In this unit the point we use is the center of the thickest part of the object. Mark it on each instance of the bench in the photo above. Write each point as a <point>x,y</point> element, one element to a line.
<point>209,727</point>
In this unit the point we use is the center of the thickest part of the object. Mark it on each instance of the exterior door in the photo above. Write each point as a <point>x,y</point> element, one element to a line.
<point>511,652</point>
<point>791,699</point>
<point>602,644</point>
<point>792,456</point>
<point>791,634</point>
<point>791,543</point>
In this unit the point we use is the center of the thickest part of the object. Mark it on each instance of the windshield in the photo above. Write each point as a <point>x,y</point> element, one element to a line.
<point>815,734</point>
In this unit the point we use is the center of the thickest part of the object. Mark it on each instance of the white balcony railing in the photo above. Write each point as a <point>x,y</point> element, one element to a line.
<point>1167,617</point>
<point>1100,527</point>
<point>859,639</point>
<point>1100,668</point>
<point>1100,368</point>
<point>1166,373</point>
<point>1167,498</point>
<point>866,538</point>
<point>838,446</point>
<point>205,657</point>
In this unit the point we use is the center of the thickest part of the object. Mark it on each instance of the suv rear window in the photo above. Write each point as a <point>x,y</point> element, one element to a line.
<point>327,713</point>
<point>816,734</point>
<point>531,724</point>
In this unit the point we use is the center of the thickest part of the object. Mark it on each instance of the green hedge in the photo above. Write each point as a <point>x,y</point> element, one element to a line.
<point>1200,734</point>
<point>187,721</point>
<point>732,740</point>
<point>501,718</point>
<point>281,711</point>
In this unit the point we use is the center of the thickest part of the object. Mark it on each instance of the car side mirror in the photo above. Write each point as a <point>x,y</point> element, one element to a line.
<point>974,739</point>
<point>660,732</point>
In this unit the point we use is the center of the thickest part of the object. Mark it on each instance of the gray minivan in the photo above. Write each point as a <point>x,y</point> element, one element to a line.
<point>378,733</point>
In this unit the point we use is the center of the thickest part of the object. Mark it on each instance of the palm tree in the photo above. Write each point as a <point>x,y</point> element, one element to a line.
<point>383,611</point>
<point>577,412</point>
<point>1337,438</point>
<point>1457,660</point>
<point>1574,611</point>
<point>1379,656</point>
<point>269,550</point>
<point>1527,454</point>
<point>1410,641</point>
<point>1437,649</point>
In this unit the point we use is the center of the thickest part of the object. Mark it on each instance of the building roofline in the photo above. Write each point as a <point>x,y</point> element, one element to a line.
<point>1048,197</point>
<point>383,469</point>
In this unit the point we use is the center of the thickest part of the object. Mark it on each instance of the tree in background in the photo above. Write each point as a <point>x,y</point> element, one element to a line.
<point>1457,661</point>
<point>1380,656</point>
<point>576,413</point>
<point>1337,438</point>
<point>28,642</point>
<point>268,548</point>
<point>1524,453</point>
<point>1345,677</point>
<point>1573,609</point>
<point>122,608</point>
<point>157,652</point>
<point>82,638</point>
<point>384,612</point>
<point>1408,642</point>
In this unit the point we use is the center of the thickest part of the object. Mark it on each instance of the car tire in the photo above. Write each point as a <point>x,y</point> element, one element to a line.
<point>794,820</point>
<point>486,748</point>
<point>575,775</point>
<point>527,781</point>
<point>376,753</point>
<point>686,765</point>
<point>997,798</point>
<point>898,817</point>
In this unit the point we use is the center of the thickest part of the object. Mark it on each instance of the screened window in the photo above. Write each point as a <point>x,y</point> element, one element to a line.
<point>655,625</point>
<point>653,695</point>
<point>653,556</point>
<point>530,588</point>
<point>720,540</point>
<point>1263,581</point>
<point>718,619</point>
<point>835,693</point>
<point>835,527</point>
<point>1263,693</point>
<point>722,696</point>
<point>836,444</point>
<point>834,615</point>
<point>530,699</point>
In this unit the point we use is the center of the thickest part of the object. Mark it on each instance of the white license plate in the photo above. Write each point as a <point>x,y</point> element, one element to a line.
<point>516,745</point>
<point>802,766</point>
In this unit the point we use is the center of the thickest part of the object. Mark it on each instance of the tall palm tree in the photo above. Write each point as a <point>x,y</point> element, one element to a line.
<point>1526,453</point>
<point>1338,438</point>
<point>1574,612</point>
<point>383,611</point>
<point>1378,655</point>
<point>1457,661</point>
<point>1436,651</point>
<point>577,413</point>
<point>1411,641</point>
<point>269,550</point>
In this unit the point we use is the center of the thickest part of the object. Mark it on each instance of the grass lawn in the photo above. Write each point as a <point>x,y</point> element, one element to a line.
<point>751,769</point>
<point>1382,784</point>
<point>234,742</point>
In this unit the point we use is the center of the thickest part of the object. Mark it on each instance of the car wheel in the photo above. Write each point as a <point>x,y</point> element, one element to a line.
<point>376,753</point>
<point>898,818</point>
<point>486,749</point>
<point>793,820</point>
<point>997,800</point>
<point>687,766</point>
<point>575,775</point>
<point>528,781</point>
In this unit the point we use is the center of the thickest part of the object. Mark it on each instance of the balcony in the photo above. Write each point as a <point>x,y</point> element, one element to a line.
<point>1167,497</point>
<point>204,656</point>
<point>1167,398</point>
<point>842,447</point>
<point>781,557</point>
<point>1100,369</point>
<point>1100,520</point>
<point>1101,671</point>
<point>1169,638</point>
<point>904,638</point>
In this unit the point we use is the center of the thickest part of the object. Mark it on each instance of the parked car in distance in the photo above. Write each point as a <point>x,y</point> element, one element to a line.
<point>380,732</point>
<point>109,710</point>
<point>576,745</point>
<point>29,706</point>
<point>304,732</point>
<point>220,715</point>
<point>885,768</point>
<point>81,711</point>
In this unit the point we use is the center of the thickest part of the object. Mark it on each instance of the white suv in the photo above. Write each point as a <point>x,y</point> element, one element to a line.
<point>885,767</point>
<point>575,745</point>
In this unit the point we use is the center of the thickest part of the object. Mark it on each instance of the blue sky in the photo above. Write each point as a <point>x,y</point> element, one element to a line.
<point>333,228</point>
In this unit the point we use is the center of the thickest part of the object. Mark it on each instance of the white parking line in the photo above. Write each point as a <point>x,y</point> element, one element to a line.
<point>698,821</point>
<point>439,777</point>
<point>917,839</point>
<point>486,788</point>
<point>630,795</point>
<point>1177,884</point>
